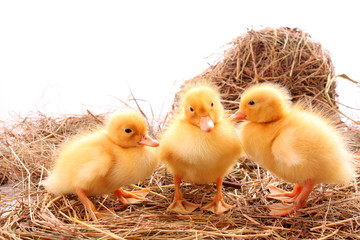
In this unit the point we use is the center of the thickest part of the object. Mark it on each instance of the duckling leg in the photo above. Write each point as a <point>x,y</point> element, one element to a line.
<point>300,201</point>
<point>218,206</point>
<point>284,196</point>
<point>179,205</point>
<point>89,206</point>
<point>131,197</point>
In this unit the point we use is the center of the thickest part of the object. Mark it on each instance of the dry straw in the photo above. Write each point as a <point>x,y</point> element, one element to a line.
<point>28,148</point>
<point>283,55</point>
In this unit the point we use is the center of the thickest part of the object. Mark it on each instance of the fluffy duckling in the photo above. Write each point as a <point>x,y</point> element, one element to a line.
<point>297,145</point>
<point>104,161</point>
<point>200,145</point>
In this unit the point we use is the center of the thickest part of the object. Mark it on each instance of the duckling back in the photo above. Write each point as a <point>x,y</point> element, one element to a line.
<point>74,161</point>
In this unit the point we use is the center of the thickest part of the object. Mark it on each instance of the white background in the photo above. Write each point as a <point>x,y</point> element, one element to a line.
<point>63,57</point>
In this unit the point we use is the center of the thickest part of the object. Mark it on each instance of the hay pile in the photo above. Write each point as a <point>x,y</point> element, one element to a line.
<point>283,55</point>
<point>27,212</point>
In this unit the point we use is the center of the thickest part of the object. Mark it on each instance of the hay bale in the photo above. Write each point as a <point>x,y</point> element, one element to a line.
<point>283,55</point>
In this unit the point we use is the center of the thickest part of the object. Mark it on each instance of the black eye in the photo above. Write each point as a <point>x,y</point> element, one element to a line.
<point>251,102</point>
<point>212,104</point>
<point>128,130</point>
<point>191,109</point>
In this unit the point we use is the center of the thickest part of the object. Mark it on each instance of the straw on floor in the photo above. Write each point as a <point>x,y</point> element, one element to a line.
<point>28,212</point>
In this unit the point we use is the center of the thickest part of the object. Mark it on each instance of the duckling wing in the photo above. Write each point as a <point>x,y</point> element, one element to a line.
<point>97,167</point>
<point>289,163</point>
<point>285,150</point>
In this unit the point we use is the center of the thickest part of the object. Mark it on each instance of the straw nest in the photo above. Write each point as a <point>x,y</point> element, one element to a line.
<point>283,55</point>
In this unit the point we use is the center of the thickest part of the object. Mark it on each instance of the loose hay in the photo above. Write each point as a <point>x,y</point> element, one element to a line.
<point>26,211</point>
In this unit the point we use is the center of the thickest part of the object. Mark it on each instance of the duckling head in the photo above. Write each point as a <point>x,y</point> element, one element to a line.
<point>127,128</point>
<point>263,103</point>
<point>201,106</point>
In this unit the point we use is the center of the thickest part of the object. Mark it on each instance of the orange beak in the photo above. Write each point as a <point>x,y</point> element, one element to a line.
<point>206,124</point>
<point>148,141</point>
<point>238,116</point>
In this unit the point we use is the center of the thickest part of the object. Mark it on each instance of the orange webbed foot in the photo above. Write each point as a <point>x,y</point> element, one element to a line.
<point>131,197</point>
<point>89,206</point>
<point>98,214</point>
<point>284,196</point>
<point>94,215</point>
<point>280,209</point>
<point>298,196</point>
<point>179,205</point>
<point>182,206</point>
<point>218,206</point>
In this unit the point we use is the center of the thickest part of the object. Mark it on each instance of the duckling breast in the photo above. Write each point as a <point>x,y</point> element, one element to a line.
<point>202,157</point>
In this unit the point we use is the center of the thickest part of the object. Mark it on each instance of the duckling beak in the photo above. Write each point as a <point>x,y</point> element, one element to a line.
<point>148,141</point>
<point>206,124</point>
<point>238,116</point>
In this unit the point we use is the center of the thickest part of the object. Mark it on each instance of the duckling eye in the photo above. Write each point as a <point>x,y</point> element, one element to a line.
<point>128,130</point>
<point>251,103</point>
<point>212,104</point>
<point>191,109</point>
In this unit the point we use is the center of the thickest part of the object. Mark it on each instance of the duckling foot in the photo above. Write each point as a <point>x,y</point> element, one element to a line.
<point>94,215</point>
<point>106,212</point>
<point>284,196</point>
<point>98,214</point>
<point>182,206</point>
<point>299,195</point>
<point>89,206</point>
<point>280,209</point>
<point>218,206</point>
<point>131,197</point>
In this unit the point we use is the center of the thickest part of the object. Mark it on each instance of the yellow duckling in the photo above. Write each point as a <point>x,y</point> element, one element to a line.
<point>104,161</point>
<point>298,146</point>
<point>200,145</point>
